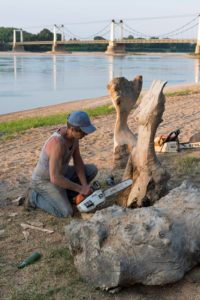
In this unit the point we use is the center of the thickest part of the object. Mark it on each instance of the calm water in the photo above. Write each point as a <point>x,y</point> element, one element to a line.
<point>35,81</point>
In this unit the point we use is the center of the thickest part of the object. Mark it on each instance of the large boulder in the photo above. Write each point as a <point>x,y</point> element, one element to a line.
<point>150,245</point>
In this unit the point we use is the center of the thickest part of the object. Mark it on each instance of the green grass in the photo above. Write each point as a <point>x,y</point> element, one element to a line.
<point>10,128</point>
<point>54,278</point>
<point>180,93</point>
<point>70,291</point>
<point>187,165</point>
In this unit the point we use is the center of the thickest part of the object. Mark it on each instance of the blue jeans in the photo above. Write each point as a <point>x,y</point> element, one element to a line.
<point>56,200</point>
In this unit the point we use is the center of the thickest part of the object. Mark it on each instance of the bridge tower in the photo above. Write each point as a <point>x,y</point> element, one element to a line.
<point>115,46</point>
<point>16,47</point>
<point>197,50</point>
<point>58,47</point>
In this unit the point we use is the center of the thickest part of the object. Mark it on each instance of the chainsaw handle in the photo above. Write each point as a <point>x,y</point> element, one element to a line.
<point>80,197</point>
<point>169,137</point>
<point>95,185</point>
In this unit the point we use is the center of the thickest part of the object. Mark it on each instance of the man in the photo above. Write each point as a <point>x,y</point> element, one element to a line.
<point>54,182</point>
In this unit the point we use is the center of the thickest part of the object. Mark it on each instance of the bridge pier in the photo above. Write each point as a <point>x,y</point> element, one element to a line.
<point>58,48</point>
<point>197,49</point>
<point>115,48</point>
<point>18,48</point>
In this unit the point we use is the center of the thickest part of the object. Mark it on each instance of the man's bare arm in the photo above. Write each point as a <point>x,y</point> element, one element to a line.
<point>80,170</point>
<point>54,151</point>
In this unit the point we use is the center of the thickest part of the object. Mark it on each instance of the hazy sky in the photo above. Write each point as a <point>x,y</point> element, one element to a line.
<point>34,15</point>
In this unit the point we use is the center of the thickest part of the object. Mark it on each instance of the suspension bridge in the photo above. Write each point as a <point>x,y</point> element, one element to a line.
<point>116,41</point>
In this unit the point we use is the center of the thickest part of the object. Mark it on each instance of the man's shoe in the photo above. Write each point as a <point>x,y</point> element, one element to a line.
<point>27,202</point>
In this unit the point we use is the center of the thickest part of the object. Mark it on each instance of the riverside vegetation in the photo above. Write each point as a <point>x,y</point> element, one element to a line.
<point>6,37</point>
<point>10,128</point>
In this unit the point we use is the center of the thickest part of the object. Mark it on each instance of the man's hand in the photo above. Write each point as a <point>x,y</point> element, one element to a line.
<point>85,190</point>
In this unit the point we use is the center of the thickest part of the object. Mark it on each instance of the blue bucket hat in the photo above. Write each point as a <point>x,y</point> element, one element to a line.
<point>81,119</point>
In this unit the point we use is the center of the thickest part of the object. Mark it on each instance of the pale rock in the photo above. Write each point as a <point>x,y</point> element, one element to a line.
<point>151,245</point>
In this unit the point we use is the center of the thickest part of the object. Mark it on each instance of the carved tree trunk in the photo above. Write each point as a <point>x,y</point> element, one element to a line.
<point>124,95</point>
<point>149,177</point>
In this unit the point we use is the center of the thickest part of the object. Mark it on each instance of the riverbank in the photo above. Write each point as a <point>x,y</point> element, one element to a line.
<point>56,109</point>
<point>85,104</point>
<point>85,53</point>
<point>54,276</point>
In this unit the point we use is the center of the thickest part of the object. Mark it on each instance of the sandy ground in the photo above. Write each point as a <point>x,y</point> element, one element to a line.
<point>19,156</point>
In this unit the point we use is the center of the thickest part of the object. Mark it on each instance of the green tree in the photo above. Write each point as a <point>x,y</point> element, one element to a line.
<point>45,35</point>
<point>6,34</point>
<point>130,37</point>
<point>98,38</point>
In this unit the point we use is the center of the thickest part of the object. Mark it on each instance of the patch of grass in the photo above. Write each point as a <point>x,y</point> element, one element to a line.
<point>24,294</point>
<point>70,291</point>
<point>60,262</point>
<point>187,165</point>
<point>60,253</point>
<point>55,277</point>
<point>11,128</point>
<point>181,93</point>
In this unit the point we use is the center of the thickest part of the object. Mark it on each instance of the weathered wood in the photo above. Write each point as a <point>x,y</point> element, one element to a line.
<point>27,226</point>
<point>124,94</point>
<point>150,245</point>
<point>149,177</point>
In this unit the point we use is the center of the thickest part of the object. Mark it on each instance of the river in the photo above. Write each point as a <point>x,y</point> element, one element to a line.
<point>30,81</point>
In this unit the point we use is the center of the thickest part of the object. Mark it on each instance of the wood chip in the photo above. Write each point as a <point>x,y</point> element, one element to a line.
<point>87,216</point>
<point>36,223</point>
<point>19,201</point>
<point>26,235</point>
<point>27,226</point>
<point>12,214</point>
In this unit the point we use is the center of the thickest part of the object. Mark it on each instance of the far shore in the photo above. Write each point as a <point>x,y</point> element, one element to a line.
<point>84,53</point>
<point>82,104</point>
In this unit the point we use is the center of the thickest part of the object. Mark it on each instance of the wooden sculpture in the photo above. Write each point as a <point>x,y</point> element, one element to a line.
<point>124,94</point>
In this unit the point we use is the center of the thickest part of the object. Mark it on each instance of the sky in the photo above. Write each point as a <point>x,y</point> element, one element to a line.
<point>87,17</point>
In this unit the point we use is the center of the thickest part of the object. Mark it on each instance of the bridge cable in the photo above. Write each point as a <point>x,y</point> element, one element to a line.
<point>175,31</point>
<point>187,29</point>
<point>88,37</point>
<point>161,17</point>
<point>131,30</point>
<point>179,28</point>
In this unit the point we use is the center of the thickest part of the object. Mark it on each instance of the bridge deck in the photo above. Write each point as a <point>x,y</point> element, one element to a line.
<point>133,41</point>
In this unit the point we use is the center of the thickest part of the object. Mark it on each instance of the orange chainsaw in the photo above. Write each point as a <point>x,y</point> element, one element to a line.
<point>99,196</point>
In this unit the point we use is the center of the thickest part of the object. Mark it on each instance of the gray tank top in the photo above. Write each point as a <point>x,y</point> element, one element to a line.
<point>41,171</point>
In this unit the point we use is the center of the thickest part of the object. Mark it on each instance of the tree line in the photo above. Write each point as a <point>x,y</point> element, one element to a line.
<point>6,37</point>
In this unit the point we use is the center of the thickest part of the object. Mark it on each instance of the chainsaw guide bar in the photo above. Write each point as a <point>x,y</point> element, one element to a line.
<point>98,197</point>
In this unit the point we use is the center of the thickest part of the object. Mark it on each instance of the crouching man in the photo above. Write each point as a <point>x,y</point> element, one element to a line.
<point>54,181</point>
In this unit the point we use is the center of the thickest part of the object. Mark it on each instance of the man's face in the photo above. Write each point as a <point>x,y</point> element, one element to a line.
<point>78,133</point>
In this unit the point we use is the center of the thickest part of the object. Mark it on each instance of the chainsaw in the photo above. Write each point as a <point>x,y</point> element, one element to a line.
<point>99,196</point>
<point>170,143</point>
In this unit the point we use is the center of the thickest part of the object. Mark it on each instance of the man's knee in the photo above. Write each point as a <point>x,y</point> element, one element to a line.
<point>52,200</point>
<point>68,212</point>
<point>91,171</point>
